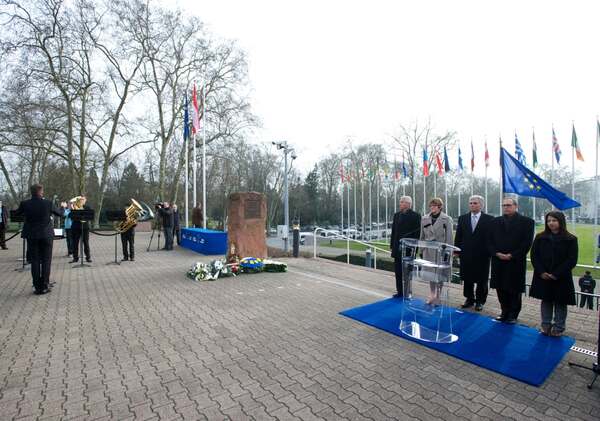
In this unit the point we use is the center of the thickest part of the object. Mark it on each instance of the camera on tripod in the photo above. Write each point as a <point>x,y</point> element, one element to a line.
<point>158,205</point>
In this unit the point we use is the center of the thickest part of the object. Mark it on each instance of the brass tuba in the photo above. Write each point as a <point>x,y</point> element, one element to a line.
<point>77,202</point>
<point>136,212</point>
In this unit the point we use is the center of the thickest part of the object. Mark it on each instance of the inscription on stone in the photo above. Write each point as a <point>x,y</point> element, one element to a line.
<point>252,209</point>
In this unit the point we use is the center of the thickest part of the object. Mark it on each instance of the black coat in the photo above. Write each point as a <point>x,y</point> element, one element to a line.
<point>474,254</point>
<point>557,256</point>
<point>4,220</point>
<point>167,217</point>
<point>512,236</point>
<point>406,225</point>
<point>80,225</point>
<point>38,217</point>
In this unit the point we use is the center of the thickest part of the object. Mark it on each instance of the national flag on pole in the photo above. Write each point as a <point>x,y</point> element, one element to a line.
<point>440,166</point>
<point>597,131</point>
<point>472,157</point>
<point>487,155</point>
<point>446,161</point>
<point>556,147</point>
<point>535,160</point>
<point>404,172</point>
<point>425,163</point>
<point>186,121</point>
<point>342,173</point>
<point>195,112</point>
<point>518,179</point>
<point>460,162</point>
<point>519,151</point>
<point>575,145</point>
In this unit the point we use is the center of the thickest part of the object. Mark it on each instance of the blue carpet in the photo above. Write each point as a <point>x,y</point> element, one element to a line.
<point>515,351</point>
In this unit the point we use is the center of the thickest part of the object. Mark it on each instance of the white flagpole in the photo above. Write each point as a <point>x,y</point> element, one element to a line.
<point>446,204</point>
<point>435,182</point>
<point>355,216</point>
<point>596,184</point>
<point>370,210</point>
<point>424,188</point>
<point>378,198</point>
<point>348,232</point>
<point>385,190</point>
<point>458,187</point>
<point>501,181</point>
<point>573,176</point>
<point>362,204</point>
<point>204,210</point>
<point>342,209</point>
<point>187,181</point>
<point>486,189</point>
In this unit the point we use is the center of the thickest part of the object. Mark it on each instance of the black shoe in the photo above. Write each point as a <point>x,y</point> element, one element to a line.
<point>132,259</point>
<point>510,321</point>
<point>41,291</point>
<point>396,295</point>
<point>478,307</point>
<point>51,284</point>
<point>467,304</point>
<point>88,259</point>
<point>74,261</point>
<point>501,318</point>
<point>124,259</point>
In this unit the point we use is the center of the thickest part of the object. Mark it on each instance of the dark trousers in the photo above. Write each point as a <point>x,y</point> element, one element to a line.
<point>510,303</point>
<point>127,241</point>
<point>2,236</point>
<point>40,250</point>
<point>398,273</point>
<point>83,236</point>
<point>587,298</point>
<point>69,237</point>
<point>168,238</point>
<point>177,235</point>
<point>475,294</point>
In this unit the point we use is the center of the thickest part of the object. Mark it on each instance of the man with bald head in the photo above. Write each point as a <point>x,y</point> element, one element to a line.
<point>407,224</point>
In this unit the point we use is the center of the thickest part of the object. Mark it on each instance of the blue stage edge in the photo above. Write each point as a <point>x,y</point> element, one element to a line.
<point>515,351</point>
<point>204,241</point>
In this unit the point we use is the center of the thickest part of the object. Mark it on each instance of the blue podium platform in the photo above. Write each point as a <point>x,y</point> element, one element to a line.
<point>204,241</point>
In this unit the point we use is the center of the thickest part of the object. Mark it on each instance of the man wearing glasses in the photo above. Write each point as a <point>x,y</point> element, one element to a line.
<point>509,242</point>
<point>471,237</point>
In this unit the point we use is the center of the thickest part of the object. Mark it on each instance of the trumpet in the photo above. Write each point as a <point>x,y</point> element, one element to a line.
<point>136,212</point>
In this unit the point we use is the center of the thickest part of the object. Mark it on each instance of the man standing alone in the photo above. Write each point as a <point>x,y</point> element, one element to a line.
<point>167,221</point>
<point>407,224</point>
<point>471,237</point>
<point>3,225</point>
<point>509,242</point>
<point>39,233</point>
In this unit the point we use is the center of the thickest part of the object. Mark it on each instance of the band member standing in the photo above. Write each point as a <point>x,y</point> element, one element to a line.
<point>176,227</point>
<point>508,243</point>
<point>127,241</point>
<point>435,226</point>
<point>68,233</point>
<point>39,233</point>
<point>3,226</point>
<point>407,224</point>
<point>198,216</point>
<point>167,221</point>
<point>81,232</point>
<point>471,237</point>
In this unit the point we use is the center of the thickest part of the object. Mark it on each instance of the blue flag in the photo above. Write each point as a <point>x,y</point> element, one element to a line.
<point>446,162</point>
<point>460,164</point>
<point>404,172</point>
<point>186,121</point>
<point>518,179</point>
<point>519,151</point>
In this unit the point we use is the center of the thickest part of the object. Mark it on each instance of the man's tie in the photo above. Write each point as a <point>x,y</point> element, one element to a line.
<point>473,223</point>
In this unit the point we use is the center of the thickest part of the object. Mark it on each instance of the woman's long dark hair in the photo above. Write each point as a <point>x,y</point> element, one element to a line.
<point>562,224</point>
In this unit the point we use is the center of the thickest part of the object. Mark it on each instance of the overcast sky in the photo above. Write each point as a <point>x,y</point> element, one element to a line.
<point>322,72</point>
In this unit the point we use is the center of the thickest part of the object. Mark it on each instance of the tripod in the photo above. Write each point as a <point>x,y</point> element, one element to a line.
<point>156,227</point>
<point>595,366</point>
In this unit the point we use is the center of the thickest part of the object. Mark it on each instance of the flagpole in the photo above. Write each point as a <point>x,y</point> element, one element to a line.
<point>534,164</point>
<point>187,181</point>
<point>342,208</point>
<point>378,198</point>
<point>573,177</point>
<point>386,208</point>
<point>370,210</point>
<point>362,204</point>
<point>355,216</point>
<point>458,187</point>
<point>486,163</point>
<point>412,179</point>
<point>204,210</point>
<point>424,188</point>
<point>348,232</point>
<point>596,184</point>
<point>501,179</point>
<point>446,193</point>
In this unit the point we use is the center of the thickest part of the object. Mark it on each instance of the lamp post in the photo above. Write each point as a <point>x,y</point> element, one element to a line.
<point>286,207</point>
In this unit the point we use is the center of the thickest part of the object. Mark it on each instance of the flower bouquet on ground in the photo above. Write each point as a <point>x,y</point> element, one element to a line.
<point>274,266</point>
<point>251,265</point>
<point>201,272</point>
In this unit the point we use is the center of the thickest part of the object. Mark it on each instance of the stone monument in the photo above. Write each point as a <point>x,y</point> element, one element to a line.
<point>246,237</point>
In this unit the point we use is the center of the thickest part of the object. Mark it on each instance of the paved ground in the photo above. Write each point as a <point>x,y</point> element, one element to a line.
<point>140,341</point>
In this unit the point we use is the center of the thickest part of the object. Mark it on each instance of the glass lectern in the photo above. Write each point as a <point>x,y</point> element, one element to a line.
<point>428,318</point>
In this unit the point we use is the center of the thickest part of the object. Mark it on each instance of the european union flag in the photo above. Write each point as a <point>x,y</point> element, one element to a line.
<point>518,179</point>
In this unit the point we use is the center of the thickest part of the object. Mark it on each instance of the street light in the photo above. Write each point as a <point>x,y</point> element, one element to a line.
<point>286,208</point>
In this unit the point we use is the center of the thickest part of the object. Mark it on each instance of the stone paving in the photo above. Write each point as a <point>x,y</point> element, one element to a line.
<point>140,341</point>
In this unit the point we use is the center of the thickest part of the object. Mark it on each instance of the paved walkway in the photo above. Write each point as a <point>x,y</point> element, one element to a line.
<point>140,341</point>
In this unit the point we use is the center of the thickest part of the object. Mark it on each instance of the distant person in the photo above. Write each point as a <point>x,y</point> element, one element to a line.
<point>471,237</point>
<point>128,244</point>
<point>509,242</point>
<point>176,227</point>
<point>166,213</point>
<point>198,216</point>
<point>39,232</point>
<point>553,256</point>
<point>587,284</point>
<point>435,226</point>
<point>68,222</point>
<point>3,226</point>
<point>407,224</point>
<point>81,232</point>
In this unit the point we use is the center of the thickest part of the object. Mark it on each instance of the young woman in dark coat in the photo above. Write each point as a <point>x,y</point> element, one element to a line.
<point>554,255</point>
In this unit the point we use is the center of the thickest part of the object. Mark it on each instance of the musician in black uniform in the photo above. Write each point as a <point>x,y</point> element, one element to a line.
<point>407,224</point>
<point>4,225</point>
<point>80,230</point>
<point>39,232</point>
<point>127,241</point>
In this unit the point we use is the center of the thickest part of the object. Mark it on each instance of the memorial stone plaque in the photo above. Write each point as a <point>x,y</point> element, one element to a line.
<point>252,209</point>
<point>246,218</point>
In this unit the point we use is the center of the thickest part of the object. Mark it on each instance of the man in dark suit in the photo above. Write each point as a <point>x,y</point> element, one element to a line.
<point>39,233</point>
<point>167,222</point>
<point>407,224</point>
<point>510,239</point>
<point>3,225</point>
<point>80,230</point>
<point>471,237</point>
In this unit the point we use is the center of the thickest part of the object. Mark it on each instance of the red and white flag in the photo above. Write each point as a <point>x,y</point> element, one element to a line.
<point>487,155</point>
<point>195,112</point>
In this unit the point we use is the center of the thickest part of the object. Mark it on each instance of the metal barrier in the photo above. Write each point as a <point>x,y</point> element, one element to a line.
<point>348,239</point>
